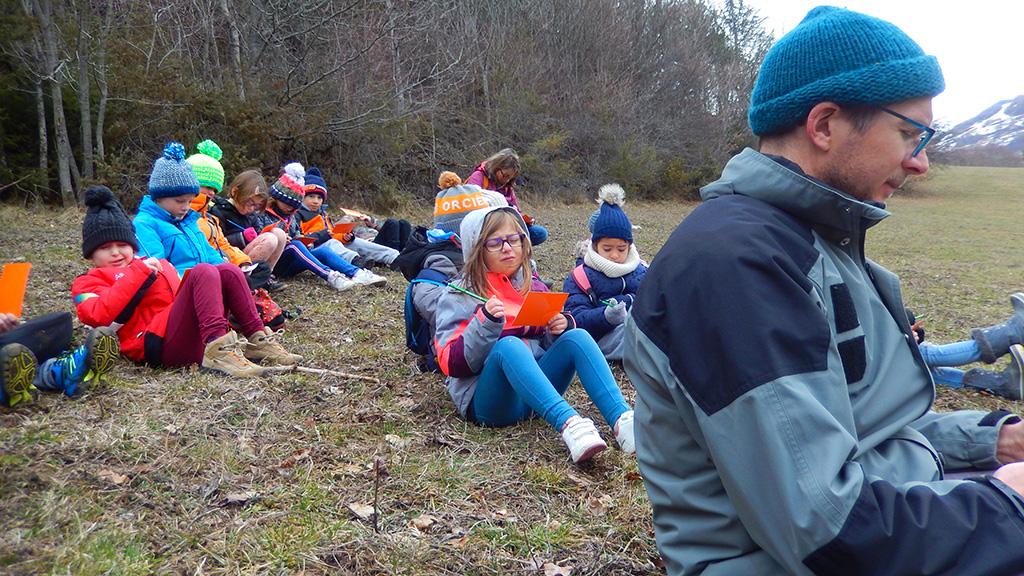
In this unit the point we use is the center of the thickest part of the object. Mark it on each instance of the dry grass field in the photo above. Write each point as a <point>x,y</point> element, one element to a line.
<point>187,472</point>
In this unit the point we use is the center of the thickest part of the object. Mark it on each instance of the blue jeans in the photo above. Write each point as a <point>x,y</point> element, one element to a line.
<point>939,357</point>
<point>297,258</point>
<point>951,377</point>
<point>513,385</point>
<point>538,234</point>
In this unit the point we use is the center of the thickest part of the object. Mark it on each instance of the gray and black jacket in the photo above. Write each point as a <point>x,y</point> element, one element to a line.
<point>783,408</point>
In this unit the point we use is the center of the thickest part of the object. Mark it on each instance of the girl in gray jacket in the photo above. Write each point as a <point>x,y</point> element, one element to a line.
<point>500,375</point>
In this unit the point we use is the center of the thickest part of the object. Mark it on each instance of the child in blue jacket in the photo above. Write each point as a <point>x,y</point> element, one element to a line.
<point>165,225</point>
<point>606,278</point>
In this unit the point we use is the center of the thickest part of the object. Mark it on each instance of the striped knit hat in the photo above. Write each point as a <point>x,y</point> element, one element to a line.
<point>288,187</point>
<point>315,183</point>
<point>171,175</point>
<point>206,165</point>
<point>837,55</point>
<point>452,204</point>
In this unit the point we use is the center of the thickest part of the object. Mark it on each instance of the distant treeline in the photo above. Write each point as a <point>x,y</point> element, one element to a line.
<point>380,94</point>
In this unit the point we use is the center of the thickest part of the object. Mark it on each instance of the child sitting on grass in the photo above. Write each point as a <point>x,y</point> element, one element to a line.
<point>160,319</point>
<point>432,258</point>
<point>47,339</point>
<point>166,225</point>
<point>499,375</point>
<point>285,200</point>
<point>238,215</point>
<point>206,166</point>
<point>316,224</point>
<point>607,277</point>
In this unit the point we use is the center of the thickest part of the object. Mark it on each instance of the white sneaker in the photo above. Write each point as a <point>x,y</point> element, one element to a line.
<point>624,433</point>
<point>366,278</point>
<point>582,438</point>
<point>339,281</point>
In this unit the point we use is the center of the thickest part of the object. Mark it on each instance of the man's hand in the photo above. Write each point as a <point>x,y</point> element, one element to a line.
<point>7,322</point>
<point>1012,475</point>
<point>558,324</point>
<point>495,307</point>
<point>1010,445</point>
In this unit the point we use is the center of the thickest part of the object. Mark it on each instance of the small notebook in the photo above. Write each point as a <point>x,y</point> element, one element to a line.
<point>539,308</point>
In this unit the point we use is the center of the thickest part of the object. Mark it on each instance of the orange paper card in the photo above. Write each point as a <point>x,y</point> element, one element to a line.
<point>539,308</point>
<point>343,228</point>
<point>12,287</point>
<point>306,240</point>
<point>268,228</point>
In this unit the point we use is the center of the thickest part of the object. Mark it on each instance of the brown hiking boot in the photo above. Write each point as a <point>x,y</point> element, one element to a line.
<point>225,355</point>
<point>264,348</point>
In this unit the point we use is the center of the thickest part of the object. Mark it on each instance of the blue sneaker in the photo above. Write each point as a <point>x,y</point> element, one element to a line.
<point>17,371</point>
<point>76,369</point>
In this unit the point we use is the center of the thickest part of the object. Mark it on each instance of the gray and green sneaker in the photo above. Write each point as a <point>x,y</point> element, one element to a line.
<point>17,371</point>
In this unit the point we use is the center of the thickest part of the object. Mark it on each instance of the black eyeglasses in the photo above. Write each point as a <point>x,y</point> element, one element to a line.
<point>496,244</point>
<point>927,132</point>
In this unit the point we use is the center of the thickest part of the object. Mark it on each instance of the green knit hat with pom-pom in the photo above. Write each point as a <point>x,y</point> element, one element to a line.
<point>206,165</point>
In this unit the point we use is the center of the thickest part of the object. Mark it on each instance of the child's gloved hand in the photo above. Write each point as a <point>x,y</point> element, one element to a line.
<point>249,234</point>
<point>616,314</point>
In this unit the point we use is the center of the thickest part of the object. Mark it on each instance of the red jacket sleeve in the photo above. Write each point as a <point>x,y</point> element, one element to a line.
<point>101,300</point>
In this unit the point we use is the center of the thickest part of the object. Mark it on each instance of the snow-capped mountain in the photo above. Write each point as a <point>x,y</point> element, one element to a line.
<point>999,126</point>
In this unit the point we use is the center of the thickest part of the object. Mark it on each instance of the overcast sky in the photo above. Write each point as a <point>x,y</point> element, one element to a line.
<point>978,43</point>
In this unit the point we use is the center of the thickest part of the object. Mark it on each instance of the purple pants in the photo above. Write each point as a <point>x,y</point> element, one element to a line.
<point>199,313</point>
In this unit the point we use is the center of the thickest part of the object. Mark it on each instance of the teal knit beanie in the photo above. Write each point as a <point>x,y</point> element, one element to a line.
<point>837,55</point>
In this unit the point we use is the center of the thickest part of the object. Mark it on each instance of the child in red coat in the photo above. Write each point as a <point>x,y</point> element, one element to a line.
<point>160,320</point>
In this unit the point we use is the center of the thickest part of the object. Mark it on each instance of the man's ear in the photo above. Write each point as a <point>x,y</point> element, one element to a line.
<point>820,125</point>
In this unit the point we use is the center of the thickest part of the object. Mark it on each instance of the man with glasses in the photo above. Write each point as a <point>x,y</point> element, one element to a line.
<point>784,421</point>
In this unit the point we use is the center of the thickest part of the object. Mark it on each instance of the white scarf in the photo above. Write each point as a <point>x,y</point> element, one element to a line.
<point>609,268</point>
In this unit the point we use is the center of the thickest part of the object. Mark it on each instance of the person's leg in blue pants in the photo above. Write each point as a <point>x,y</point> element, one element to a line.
<point>940,358</point>
<point>951,377</point>
<point>955,354</point>
<point>334,261</point>
<point>297,258</point>
<point>513,384</point>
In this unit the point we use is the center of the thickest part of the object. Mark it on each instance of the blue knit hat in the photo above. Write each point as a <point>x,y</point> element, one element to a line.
<point>315,183</point>
<point>840,56</point>
<point>171,175</point>
<point>611,221</point>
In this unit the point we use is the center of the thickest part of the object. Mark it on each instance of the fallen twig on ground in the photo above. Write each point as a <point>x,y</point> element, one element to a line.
<point>322,371</point>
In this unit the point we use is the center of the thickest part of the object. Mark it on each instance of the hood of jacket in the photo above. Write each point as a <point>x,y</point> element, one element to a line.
<point>832,213</point>
<point>473,223</point>
<point>200,203</point>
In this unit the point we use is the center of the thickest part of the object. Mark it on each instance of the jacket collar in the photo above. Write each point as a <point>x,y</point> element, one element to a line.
<point>832,213</point>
